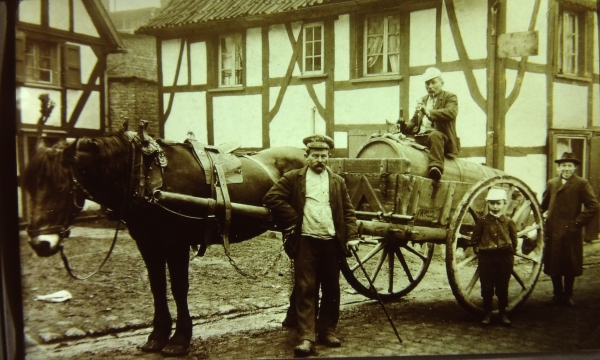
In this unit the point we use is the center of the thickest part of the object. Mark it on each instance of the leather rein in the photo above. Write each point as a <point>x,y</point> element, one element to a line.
<point>76,185</point>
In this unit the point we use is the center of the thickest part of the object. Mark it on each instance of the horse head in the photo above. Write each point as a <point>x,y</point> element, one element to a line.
<point>54,199</point>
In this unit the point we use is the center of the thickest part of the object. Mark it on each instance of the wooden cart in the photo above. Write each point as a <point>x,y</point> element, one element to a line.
<point>402,216</point>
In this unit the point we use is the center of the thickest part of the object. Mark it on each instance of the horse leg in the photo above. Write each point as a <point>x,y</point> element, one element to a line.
<point>178,262</point>
<point>155,264</point>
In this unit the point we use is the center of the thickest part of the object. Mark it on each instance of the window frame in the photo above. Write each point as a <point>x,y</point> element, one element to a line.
<point>313,56</point>
<point>555,135</point>
<point>385,50</point>
<point>242,68</point>
<point>32,72</point>
<point>580,42</point>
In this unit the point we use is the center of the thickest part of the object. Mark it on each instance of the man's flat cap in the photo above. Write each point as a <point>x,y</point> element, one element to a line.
<point>318,141</point>
<point>568,157</point>
<point>431,73</point>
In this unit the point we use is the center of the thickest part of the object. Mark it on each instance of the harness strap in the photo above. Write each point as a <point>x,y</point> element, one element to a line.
<point>203,159</point>
<point>263,166</point>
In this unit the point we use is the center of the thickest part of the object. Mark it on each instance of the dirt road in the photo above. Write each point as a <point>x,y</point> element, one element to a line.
<point>239,317</point>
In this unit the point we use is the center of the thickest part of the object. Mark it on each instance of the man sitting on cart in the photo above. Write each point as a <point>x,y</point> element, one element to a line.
<point>434,123</point>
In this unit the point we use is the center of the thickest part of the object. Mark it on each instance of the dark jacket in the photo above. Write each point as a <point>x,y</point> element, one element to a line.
<point>287,197</point>
<point>563,252</point>
<point>443,117</point>
<point>492,233</point>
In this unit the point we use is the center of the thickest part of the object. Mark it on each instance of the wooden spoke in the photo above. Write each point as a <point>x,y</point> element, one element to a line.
<point>528,229</point>
<point>408,248</point>
<point>527,257</point>
<point>379,265</point>
<point>509,200</point>
<point>519,280</point>
<point>524,206</point>
<point>404,265</point>
<point>466,261</point>
<point>473,213</point>
<point>368,256</point>
<point>472,282</point>
<point>391,273</point>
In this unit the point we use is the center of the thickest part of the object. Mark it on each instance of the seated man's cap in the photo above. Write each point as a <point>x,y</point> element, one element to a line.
<point>568,157</point>
<point>318,141</point>
<point>431,73</point>
<point>496,194</point>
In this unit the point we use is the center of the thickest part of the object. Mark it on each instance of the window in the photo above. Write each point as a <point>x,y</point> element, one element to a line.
<point>40,62</point>
<point>381,48</point>
<point>313,48</point>
<point>231,61</point>
<point>571,42</point>
<point>41,59</point>
<point>576,143</point>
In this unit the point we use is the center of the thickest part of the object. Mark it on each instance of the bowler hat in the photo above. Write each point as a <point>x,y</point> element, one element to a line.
<point>431,73</point>
<point>318,141</point>
<point>568,157</point>
<point>496,194</point>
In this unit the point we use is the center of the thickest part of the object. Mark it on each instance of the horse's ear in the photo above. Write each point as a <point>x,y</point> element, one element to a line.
<point>70,151</point>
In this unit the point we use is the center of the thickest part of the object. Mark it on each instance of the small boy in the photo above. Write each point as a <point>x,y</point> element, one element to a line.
<point>495,241</point>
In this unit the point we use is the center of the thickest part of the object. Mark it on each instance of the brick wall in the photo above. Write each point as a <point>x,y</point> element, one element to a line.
<point>132,85</point>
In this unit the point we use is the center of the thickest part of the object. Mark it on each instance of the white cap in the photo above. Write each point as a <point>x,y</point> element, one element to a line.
<point>496,194</point>
<point>431,73</point>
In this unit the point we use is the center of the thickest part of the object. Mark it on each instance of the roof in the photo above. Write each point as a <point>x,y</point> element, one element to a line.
<point>195,14</point>
<point>102,22</point>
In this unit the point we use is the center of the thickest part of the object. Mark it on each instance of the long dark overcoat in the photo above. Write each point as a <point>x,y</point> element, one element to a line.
<point>563,253</point>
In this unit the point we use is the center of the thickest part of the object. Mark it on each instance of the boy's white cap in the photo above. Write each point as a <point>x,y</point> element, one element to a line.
<point>496,194</point>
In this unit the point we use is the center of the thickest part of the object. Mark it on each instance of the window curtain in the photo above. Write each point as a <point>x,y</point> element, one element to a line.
<point>374,39</point>
<point>394,44</point>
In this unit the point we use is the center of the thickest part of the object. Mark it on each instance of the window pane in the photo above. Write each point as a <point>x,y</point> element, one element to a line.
<point>317,48</point>
<point>308,66</point>
<point>317,32</point>
<point>309,49</point>
<point>317,64</point>
<point>309,34</point>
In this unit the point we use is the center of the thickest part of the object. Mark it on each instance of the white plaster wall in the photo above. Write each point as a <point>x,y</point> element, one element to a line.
<point>90,115</point>
<point>342,48</point>
<point>340,139</point>
<point>294,121</point>
<point>472,21</point>
<point>519,13</point>
<point>198,62</point>
<point>170,56</point>
<point>367,106</point>
<point>301,91</point>
<point>188,113</point>
<point>27,100</point>
<point>82,22</point>
<point>30,11</point>
<point>88,62</point>
<point>471,119</point>
<point>531,169</point>
<point>239,119</point>
<point>254,57</point>
<point>59,14</point>
<point>596,62</point>
<point>526,120</point>
<point>422,37</point>
<point>570,106</point>
<point>596,105</point>
<point>280,51</point>
<point>448,47</point>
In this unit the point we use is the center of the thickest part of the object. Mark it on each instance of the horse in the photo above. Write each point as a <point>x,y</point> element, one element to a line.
<point>107,170</point>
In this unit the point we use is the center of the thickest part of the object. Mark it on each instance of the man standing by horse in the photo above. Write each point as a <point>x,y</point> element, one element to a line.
<point>312,204</point>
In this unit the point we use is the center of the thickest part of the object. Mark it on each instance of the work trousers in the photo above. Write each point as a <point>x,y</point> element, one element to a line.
<point>317,264</point>
<point>435,141</point>
<point>495,269</point>
<point>557,284</point>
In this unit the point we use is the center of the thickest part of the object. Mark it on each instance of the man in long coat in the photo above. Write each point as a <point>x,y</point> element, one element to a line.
<point>563,253</point>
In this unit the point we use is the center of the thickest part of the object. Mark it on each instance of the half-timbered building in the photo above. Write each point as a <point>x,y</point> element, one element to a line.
<point>268,73</point>
<point>61,50</point>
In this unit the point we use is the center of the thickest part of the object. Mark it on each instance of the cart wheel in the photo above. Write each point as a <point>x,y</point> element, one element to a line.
<point>394,267</point>
<point>461,262</point>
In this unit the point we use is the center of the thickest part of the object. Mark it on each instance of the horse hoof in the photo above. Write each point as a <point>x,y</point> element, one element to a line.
<point>153,345</point>
<point>175,349</point>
